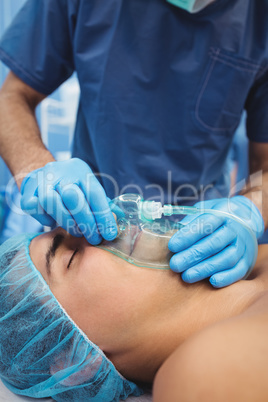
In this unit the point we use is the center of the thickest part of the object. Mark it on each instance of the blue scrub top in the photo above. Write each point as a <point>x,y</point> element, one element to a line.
<point>162,90</point>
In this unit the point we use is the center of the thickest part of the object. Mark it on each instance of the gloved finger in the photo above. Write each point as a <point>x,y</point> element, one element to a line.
<point>199,228</point>
<point>189,218</point>
<point>30,205</point>
<point>44,219</point>
<point>115,209</point>
<point>226,278</point>
<point>51,202</point>
<point>97,200</point>
<point>226,259</point>
<point>75,202</point>
<point>203,249</point>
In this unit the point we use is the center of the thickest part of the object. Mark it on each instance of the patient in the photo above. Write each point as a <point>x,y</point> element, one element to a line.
<point>149,324</point>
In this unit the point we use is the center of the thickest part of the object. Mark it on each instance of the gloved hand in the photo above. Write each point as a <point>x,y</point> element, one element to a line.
<point>69,193</point>
<point>217,247</point>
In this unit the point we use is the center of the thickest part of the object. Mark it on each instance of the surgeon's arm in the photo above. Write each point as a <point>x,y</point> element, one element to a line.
<point>257,187</point>
<point>226,362</point>
<point>21,146</point>
<point>66,192</point>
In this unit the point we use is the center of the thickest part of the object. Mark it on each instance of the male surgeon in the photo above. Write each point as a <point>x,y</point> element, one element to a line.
<point>163,87</point>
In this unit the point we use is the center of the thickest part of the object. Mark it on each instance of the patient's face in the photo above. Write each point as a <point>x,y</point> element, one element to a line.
<point>100,291</point>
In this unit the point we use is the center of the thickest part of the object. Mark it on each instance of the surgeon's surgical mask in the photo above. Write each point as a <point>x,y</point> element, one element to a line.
<point>192,6</point>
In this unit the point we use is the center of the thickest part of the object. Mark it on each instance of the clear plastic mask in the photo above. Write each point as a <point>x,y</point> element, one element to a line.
<point>140,241</point>
<point>145,229</point>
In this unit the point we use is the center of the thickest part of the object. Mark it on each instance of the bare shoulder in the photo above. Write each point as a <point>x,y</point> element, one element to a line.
<point>227,361</point>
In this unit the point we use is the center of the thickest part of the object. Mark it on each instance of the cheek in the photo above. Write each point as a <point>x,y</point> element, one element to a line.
<point>84,307</point>
<point>97,295</point>
<point>72,299</point>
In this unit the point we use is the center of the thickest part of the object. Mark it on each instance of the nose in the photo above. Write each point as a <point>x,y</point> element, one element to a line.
<point>76,242</point>
<point>70,240</point>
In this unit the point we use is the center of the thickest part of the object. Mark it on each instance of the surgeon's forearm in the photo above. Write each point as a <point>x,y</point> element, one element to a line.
<point>259,196</point>
<point>257,186</point>
<point>21,146</point>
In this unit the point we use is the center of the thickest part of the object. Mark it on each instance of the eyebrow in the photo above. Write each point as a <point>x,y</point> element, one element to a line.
<point>55,244</point>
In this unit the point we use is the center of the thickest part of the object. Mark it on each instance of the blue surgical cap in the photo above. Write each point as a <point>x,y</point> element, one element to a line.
<point>42,351</point>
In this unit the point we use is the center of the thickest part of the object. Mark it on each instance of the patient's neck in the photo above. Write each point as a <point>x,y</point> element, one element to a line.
<point>179,311</point>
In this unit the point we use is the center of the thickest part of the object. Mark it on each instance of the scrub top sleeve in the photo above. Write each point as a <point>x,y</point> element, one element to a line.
<point>37,46</point>
<point>257,111</point>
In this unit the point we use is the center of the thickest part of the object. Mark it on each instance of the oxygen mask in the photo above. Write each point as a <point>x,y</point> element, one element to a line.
<point>140,241</point>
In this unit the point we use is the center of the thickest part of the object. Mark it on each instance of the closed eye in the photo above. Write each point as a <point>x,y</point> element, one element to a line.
<point>72,257</point>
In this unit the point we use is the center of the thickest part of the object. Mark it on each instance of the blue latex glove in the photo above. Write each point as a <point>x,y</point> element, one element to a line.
<point>217,247</point>
<point>69,194</point>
